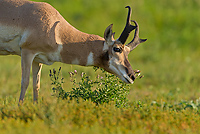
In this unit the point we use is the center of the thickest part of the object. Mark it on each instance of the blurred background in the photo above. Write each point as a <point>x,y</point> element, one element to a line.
<point>169,60</point>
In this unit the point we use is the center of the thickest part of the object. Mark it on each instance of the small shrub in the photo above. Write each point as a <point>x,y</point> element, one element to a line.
<point>103,89</point>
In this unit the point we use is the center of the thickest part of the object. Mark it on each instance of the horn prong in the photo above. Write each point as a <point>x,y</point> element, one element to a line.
<point>136,39</point>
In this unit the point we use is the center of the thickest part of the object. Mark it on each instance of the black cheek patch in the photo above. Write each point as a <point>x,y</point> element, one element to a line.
<point>105,58</point>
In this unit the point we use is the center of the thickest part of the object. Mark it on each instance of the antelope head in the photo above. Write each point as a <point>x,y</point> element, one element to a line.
<point>115,57</point>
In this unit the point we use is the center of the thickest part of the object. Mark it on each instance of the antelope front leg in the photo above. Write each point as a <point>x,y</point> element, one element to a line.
<point>36,70</point>
<point>26,61</point>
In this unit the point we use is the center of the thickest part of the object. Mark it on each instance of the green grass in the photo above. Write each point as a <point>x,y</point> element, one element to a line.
<point>159,103</point>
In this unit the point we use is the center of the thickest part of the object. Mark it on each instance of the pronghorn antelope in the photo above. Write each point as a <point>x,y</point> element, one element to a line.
<point>40,35</point>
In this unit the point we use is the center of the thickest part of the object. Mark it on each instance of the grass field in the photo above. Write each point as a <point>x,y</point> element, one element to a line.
<point>166,100</point>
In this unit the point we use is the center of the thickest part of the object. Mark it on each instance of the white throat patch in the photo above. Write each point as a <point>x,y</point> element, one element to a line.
<point>90,59</point>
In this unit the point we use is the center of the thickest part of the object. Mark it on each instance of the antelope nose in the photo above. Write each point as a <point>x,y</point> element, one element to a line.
<point>132,76</point>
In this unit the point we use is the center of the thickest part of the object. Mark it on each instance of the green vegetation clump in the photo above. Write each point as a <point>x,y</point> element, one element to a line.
<point>103,89</point>
<point>51,116</point>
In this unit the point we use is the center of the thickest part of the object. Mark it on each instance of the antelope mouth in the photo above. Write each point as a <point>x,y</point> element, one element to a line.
<point>127,79</point>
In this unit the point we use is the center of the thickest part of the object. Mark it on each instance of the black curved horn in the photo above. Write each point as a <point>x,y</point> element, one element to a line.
<point>128,28</point>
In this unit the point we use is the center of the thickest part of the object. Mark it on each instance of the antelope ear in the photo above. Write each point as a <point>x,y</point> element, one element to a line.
<point>113,36</point>
<point>108,35</point>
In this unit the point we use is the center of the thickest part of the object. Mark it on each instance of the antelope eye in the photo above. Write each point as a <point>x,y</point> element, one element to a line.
<point>117,49</point>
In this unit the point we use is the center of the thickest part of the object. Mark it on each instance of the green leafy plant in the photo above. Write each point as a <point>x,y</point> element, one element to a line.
<point>57,83</point>
<point>194,105</point>
<point>103,89</point>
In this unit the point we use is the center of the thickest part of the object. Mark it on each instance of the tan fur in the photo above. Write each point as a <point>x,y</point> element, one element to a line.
<point>78,48</point>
